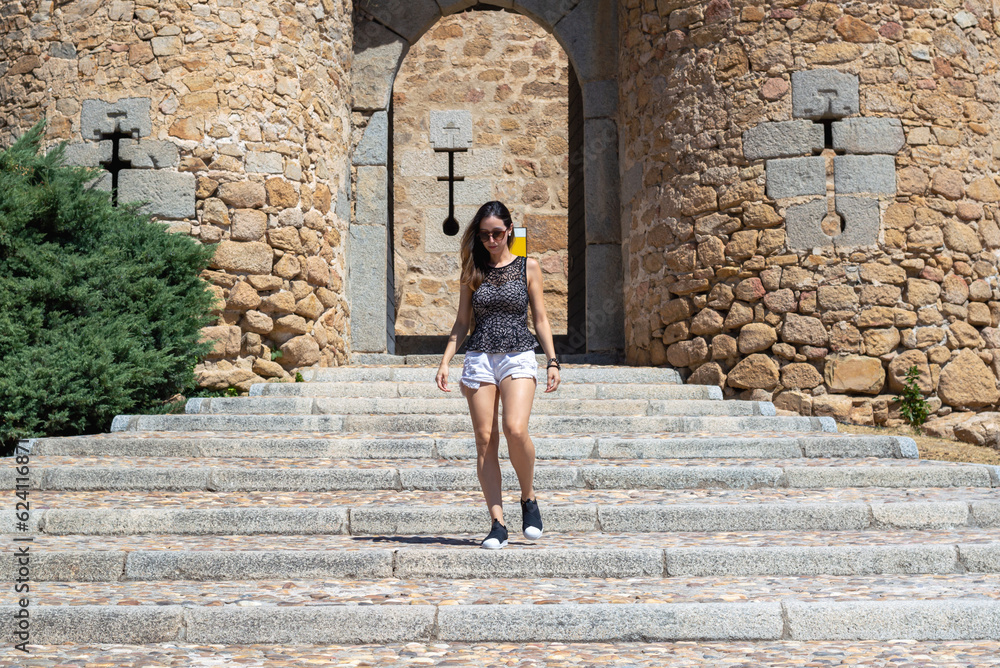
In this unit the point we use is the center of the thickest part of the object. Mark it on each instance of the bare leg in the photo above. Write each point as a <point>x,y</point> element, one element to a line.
<point>517,395</point>
<point>483,410</point>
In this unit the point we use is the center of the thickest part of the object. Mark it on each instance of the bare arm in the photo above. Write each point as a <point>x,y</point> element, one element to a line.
<point>541,319</point>
<point>458,333</point>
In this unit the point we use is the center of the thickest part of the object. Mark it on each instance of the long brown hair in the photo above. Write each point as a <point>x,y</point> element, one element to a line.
<point>475,256</point>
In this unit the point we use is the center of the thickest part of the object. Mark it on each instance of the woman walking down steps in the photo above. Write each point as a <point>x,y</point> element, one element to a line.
<point>500,366</point>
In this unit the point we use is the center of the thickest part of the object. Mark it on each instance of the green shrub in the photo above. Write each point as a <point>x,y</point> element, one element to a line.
<point>912,405</point>
<point>100,310</point>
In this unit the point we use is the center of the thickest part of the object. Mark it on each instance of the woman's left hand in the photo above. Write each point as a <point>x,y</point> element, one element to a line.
<point>553,379</point>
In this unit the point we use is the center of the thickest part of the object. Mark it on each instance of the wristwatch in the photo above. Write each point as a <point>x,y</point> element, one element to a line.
<point>553,362</point>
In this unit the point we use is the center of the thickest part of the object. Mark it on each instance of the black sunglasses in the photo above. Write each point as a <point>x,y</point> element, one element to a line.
<point>486,235</point>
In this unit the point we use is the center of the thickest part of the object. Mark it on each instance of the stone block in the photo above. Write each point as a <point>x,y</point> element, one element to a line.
<point>980,558</point>
<point>264,162</point>
<point>435,240</point>
<point>129,115</point>
<point>803,226</point>
<point>544,12</point>
<point>861,221</point>
<point>367,287</point>
<point>600,99</point>
<point>786,139</point>
<point>372,196</point>
<point>605,298</point>
<point>373,149</point>
<point>451,129</point>
<point>824,93</point>
<point>449,7</point>
<point>796,177</point>
<point>808,560</point>
<point>601,181</point>
<point>166,45</point>
<point>248,225</point>
<point>868,135</point>
<point>874,174</point>
<point>243,194</point>
<point>607,622</point>
<point>803,516</point>
<point>80,624</point>
<point>202,566</point>
<point>589,34</point>
<point>63,50</point>
<point>585,562</point>
<point>377,55</point>
<point>272,625</point>
<point>102,182</point>
<point>148,153</point>
<point>946,619</point>
<point>409,19</point>
<point>921,515</point>
<point>87,154</point>
<point>167,194</point>
<point>854,373</point>
<point>251,257</point>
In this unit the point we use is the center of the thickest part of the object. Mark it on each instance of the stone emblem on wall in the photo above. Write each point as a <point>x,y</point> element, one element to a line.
<point>825,104</point>
<point>137,169</point>
<point>451,130</point>
<point>451,133</point>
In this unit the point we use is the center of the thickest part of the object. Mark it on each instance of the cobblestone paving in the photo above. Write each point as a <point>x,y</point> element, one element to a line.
<point>895,653</point>
<point>517,591</point>
<point>44,544</point>
<point>575,497</point>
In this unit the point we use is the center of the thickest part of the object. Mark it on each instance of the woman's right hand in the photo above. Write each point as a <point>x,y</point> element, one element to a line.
<point>442,378</point>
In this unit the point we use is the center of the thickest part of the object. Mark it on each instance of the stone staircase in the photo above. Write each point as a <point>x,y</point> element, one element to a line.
<point>346,510</point>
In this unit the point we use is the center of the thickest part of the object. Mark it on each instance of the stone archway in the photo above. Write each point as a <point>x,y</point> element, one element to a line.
<point>383,32</point>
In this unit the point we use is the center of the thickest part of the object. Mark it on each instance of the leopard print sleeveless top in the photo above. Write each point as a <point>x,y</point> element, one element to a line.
<point>500,306</point>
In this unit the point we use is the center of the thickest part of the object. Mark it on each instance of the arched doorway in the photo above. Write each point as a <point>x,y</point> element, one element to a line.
<point>384,31</point>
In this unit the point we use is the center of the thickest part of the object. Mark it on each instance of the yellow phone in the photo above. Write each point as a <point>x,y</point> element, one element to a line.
<point>520,244</point>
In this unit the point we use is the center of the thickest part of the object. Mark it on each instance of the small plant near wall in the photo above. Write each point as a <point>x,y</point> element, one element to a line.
<point>912,405</point>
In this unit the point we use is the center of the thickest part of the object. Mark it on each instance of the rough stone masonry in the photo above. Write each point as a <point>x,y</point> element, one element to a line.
<point>808,194</point>
<point>813,207</point>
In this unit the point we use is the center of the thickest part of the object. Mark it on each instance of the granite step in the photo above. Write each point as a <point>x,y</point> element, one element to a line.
<point>427,389</point>
<point>585,408</point>
<point>460,423</point>
<point>568,374</point>
<point>392,513</point>
<point>803,619</point>
<point>554,540</point>
<point>384,359</point>
<point>300,475</point>
<point>618,557</point>
<point>775,445</point>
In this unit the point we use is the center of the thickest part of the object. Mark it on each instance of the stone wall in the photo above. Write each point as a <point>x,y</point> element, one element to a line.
<point>238,123</point>
<point>512,77</point>
<point>809,199</point>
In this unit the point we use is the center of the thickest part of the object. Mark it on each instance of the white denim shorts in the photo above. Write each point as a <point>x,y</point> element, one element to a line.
<point>493,367</point>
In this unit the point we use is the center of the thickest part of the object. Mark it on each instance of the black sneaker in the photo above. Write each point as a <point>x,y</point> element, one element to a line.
<point>531,520</point>
<point>497,538</point>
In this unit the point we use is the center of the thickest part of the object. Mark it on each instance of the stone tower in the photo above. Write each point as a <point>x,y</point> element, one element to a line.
<point>809,199</point>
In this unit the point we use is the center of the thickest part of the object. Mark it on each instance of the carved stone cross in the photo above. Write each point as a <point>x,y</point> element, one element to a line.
<point>858,151</point>
<point>116,164</point>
